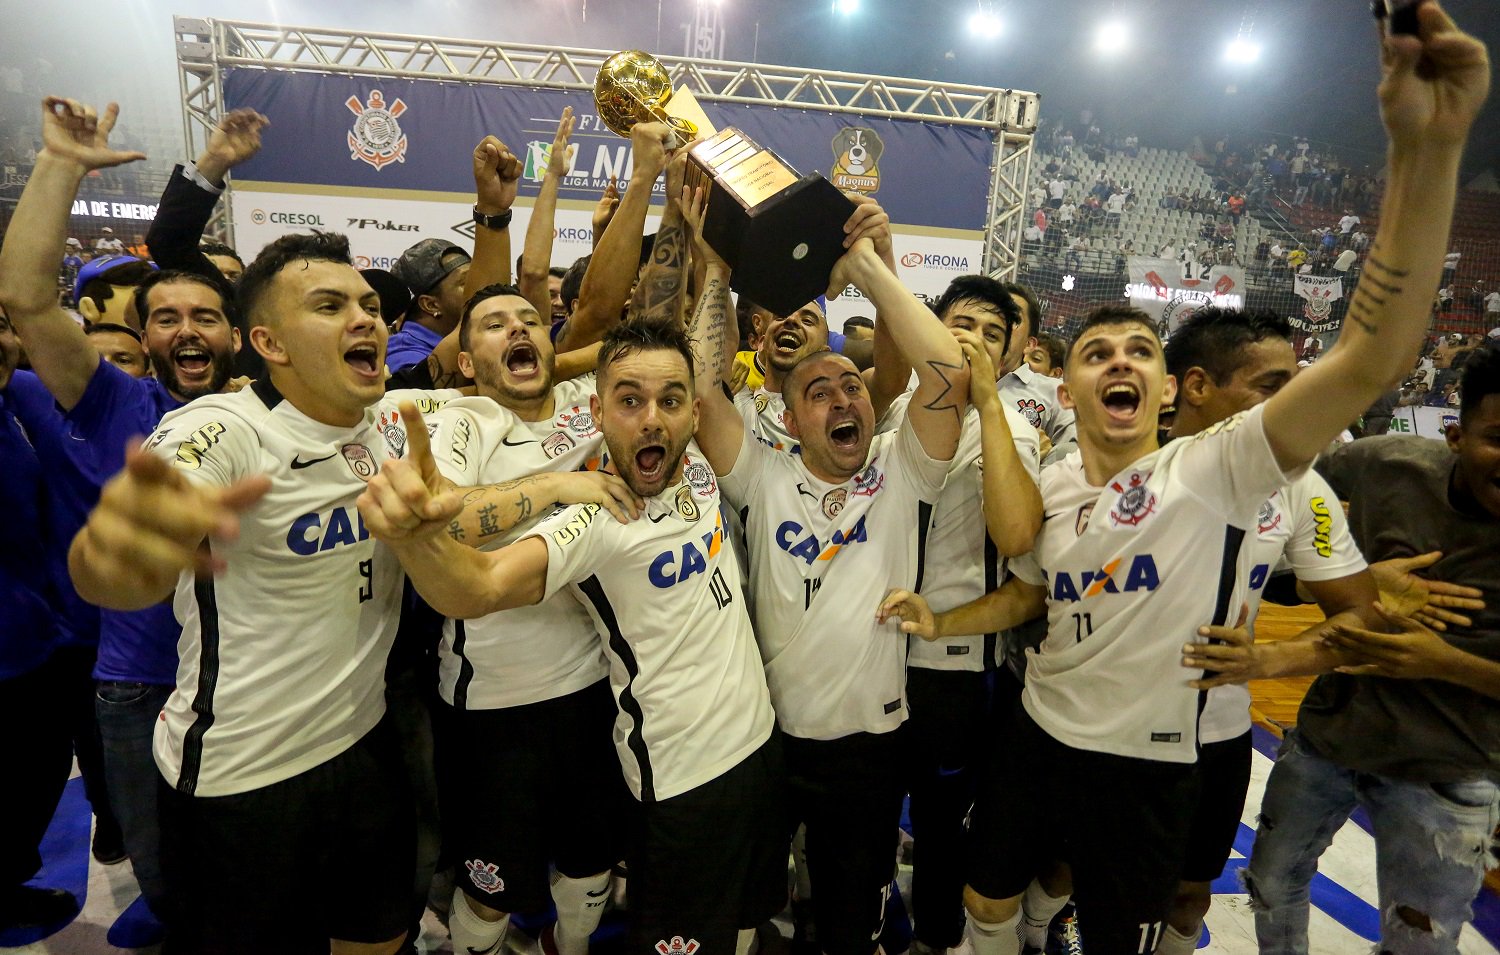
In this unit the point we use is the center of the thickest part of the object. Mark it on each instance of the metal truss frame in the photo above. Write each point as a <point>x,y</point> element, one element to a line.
<point>206,47</point>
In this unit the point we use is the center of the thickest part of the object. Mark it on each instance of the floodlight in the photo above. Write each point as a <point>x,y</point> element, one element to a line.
<point>846,7</point>
<point>1242,50</point>
<point>1112,37</point>
<point>984,24</point>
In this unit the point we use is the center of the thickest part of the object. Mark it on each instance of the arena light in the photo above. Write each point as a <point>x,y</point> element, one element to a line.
<point>1112,37</point>
<point>984,24</point>
<point>846,7</point>
<point>1242,50</point>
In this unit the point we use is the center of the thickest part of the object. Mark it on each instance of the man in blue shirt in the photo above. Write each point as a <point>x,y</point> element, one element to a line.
<point>188,333</point>
<point>39,757</point>
<point>434,270</point>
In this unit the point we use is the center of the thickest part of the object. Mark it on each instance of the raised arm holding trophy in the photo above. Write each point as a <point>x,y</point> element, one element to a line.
<point>780,232</point>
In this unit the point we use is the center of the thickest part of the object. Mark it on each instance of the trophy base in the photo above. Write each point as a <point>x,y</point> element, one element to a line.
<point>783,249</point>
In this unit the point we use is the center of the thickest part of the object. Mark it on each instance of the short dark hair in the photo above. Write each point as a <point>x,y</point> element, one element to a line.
<point>791,396</point>
<point>1215,338</point>
<point>860,321</point>
<point>1033,309</point>
<point>744,317</point>
<point>219,248</point>
<point>981,288</point>
<point>1057,348</point>
<point>102,328</point>
<point>489,291</point>
<point>1481,378</point>
<point>626,338</point>
<point>1111,315</point>
<point>572,284</point>
<point>219,286</point>
<point>101,289</point>
<point>556,272</point>
<point>310,246</point>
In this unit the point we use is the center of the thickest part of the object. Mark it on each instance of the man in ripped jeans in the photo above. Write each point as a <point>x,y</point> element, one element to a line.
<point>1421,752</point>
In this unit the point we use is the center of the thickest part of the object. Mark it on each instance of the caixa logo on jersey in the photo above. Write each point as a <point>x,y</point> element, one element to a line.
<point>936,260</point>
<point>315,534</point>
<point>1113,578</point>
<point>674,566</point>
<point>376,138</point>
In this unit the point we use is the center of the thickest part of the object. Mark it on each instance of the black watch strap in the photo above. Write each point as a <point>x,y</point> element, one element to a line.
<point>501,220</point>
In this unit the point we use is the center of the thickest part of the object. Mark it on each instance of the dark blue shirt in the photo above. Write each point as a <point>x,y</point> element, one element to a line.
<point>410,345</point>
<point>26,627</point>
<point>138,646</point>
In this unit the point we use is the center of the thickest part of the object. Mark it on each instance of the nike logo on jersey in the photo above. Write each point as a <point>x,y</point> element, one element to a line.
<point>1142,575</point>
<point>597,895</point>
<point>516,444</point>
<point>298,464</point>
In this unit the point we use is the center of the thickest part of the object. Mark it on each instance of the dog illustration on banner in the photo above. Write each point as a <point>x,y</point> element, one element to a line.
<point>856,159</point>
<point>376,137</point>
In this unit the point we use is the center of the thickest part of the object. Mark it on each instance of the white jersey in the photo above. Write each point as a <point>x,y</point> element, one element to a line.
<point>1035,397</point>
<point>962,563</point>
<point>535,653</point>
<point>1301,528</point>
<point>281,661</point>
<point>822,557</point>
<point>764,414</point>
<point>667,598</point>
<point>1133,569</point>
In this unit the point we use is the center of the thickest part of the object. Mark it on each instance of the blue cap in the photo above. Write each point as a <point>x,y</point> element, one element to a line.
<point>96,268</point>
<point>822,303</point>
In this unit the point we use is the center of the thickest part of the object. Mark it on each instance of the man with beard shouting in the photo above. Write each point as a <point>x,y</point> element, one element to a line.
<point>694,728</point>
<point>191,340</point>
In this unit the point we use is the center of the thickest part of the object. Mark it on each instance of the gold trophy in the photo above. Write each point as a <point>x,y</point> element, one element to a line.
<point>779,232</point>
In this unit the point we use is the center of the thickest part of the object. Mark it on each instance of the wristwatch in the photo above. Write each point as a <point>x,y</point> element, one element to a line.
<point>500,220</point>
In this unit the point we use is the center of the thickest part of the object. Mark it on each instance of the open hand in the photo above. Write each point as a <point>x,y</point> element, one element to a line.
<point>1411,651</point>
<point>607,490</point>
<point>72,130</point>
<point>913,611</point>
<point>1432,602</point>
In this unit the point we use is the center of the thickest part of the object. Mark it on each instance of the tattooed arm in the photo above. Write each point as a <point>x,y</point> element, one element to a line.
<point>937,408</point>
<point>721,430</point>
<point>1432,88</point>
<point>489,511</point>
<point>658,295</point>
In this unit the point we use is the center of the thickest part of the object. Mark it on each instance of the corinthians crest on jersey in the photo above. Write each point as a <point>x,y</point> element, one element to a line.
<point>376,137</point>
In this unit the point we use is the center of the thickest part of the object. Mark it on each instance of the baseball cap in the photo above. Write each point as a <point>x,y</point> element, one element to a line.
<point>421,268</point>
<point>107,230</point>
<point>73,244</point>
<point>96,269</point>
<point>395,297</point>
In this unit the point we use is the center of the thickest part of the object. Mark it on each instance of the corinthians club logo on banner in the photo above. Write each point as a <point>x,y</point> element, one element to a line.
<point>376,137</point>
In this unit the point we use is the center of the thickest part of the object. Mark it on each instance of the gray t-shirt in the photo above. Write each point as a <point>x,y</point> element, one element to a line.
<point>1401,505</point>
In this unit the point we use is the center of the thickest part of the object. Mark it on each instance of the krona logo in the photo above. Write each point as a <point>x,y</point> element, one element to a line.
<point>376,137</point>
<point>934,260</point>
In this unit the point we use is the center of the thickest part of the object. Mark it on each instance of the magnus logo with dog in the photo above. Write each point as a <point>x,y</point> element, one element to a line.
<point>856,159</point>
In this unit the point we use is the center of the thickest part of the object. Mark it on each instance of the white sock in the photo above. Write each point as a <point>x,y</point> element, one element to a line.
<point>1038,909</point>
<point>469,932</point>
<point>746,943</point>
<point>996,938</point>
<point>580,905</point>
<point>1174,942</point>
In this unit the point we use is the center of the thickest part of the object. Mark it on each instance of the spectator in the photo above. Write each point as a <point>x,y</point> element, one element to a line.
<point>860,328</point>
<point>434,271</point>
<point>1450,266</point>
<point>1348,223</point>
<point>107,244</point>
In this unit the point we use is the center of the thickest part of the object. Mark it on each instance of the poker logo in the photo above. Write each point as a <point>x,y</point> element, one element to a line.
<point>357,456</point>
<point>686,506</point>
<point>700,476</point>
<point>833,502</point>
<point>1032,410</point>
<point>1136,502</point>
<point>677,946</point>
<point>557,443</point>
<point>376,138</point>
<point>394,433</point>
<point>485,876</point>
<point>1081,524</point>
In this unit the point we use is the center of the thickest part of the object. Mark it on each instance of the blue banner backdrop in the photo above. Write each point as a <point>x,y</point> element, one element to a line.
<point>418,135</point>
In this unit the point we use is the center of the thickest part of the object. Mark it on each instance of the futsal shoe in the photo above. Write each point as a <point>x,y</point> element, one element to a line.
<point>28,906</point>
<point>109,844</point>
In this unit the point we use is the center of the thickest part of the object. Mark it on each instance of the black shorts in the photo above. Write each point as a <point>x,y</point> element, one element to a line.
<point>327,854</point>
<point>1224,777</point>
<point>711,861</point>
<point>523,787</point>
<point>848,792</point>
<point>1121,823</point>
